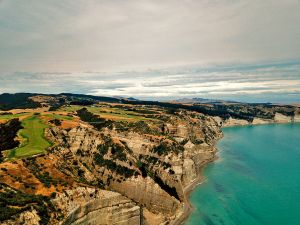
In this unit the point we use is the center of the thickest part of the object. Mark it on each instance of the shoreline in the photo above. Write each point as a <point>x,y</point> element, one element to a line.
<point>187,191</point>
<point>188,207</point>
<point>199,180</point>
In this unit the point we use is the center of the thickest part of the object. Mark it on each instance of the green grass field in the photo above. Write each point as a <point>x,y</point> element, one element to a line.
<point>12,116</point>
<point>33,140</point>
<point>60,117</point>
<point>112,113</point>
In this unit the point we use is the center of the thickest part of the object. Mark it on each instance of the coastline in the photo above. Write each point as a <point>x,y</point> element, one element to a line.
<point>187,191</point>
<point>188,208</point>
<point>199,180</point>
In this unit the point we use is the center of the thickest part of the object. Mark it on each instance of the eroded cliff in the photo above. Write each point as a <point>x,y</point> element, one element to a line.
<point>112,163</point>
<point>151,168</point>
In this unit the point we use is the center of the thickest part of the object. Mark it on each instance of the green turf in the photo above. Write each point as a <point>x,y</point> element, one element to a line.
<point>71,108</point>
<point>125,117</point>
<point>122,114</point>
<point>12,116</point>
<point>60,117</point>
<point>34,141</point>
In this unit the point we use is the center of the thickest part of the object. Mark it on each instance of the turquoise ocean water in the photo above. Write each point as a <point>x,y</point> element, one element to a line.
<point>255,181</point>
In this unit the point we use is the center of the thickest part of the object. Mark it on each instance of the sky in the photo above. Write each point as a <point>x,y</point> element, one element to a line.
<point>243,50</point>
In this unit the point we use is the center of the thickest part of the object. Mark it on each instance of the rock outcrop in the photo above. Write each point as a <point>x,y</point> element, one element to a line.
<point>29,217</point>
<point>150,169</point>
<point>278,118</point>
<point>93,206</point>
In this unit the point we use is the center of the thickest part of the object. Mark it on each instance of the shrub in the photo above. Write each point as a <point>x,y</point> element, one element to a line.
<point>111,165</point>
<point>13,202</point>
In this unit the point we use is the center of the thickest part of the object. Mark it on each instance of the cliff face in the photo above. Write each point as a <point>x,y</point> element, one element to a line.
<point>93,206</point>
<point>278,118</point>
<point>78,205</point>
<point>151,168</point>
<point>29,217</point>
<point>114,163</point>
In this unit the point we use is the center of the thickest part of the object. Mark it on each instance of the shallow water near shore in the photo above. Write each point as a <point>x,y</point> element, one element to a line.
<point>256,181</point>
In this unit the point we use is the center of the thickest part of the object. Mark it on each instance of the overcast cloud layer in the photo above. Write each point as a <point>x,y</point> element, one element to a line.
<point>80,35</point>
<point>59,46</point>
<point>259,83</point>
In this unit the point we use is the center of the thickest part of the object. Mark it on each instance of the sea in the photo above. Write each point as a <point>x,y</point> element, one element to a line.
<point>255,181</point>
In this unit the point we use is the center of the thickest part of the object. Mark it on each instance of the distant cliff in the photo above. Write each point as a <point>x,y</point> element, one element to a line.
<point>278,118</point>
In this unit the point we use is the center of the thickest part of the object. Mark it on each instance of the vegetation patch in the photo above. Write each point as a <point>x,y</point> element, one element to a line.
<point>58,117</point>
<point>13,202</point>
<point>94,120</point>
<point>167,147</point>
<point>33,140</point>
<point>155,161</point>
<point>9,116</point>
<point>56,122</point>
<point>19,100</point>
<point>8,132</point>
<point>111,113</point>
<point>117,152</point>
<point>114,167</point>
<point>43,176</point>
<point>141,127</point>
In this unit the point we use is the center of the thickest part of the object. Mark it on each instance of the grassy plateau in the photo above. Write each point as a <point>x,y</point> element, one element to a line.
<point>33,140</point>
<point>111,113</point>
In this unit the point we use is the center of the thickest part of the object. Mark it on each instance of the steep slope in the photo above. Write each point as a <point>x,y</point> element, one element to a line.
<point>113,163</point>
<point>151,168</point>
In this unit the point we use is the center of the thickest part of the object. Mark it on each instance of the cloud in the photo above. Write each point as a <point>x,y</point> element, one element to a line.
<point>264,82</point>
<point>90,35</point>
<point>152,49</point>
